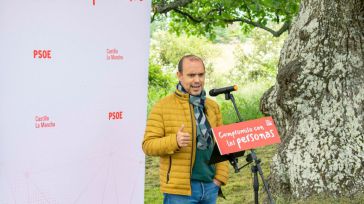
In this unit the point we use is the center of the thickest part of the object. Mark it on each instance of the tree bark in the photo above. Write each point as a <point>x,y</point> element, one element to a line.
<point>318,102</point>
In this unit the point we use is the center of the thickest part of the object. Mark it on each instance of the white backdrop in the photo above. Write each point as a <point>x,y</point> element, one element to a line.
<point>72,118</point>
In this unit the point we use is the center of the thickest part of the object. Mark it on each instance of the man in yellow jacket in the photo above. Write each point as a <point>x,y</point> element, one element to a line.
<point>179,132</point>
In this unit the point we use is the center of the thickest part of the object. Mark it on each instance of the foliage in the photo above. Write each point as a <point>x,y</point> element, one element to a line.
<point>231,33</point>
<point>203,16</point>
<point>167,49</point>
<point>159,83</point>
<point>257,58</point>
<point>158,79</point>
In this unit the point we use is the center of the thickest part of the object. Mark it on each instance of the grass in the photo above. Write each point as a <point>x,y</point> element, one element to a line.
<point>240,186</point>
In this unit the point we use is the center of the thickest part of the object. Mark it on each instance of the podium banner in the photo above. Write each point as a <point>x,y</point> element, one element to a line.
<point>246,135</point>
<point>73,99</point>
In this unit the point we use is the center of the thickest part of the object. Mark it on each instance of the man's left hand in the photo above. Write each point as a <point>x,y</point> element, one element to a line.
<point>217,182</point>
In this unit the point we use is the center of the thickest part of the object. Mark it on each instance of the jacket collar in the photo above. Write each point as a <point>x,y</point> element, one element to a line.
<point>185,97</point>
<point>182,96</point>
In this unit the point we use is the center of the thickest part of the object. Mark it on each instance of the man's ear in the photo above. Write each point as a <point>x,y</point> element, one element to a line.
<point>179,75</point>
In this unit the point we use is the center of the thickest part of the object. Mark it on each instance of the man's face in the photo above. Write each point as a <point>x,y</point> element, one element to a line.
<point>192,77</point>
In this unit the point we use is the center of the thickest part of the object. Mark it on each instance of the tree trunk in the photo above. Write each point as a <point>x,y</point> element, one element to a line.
<point>318,102</point>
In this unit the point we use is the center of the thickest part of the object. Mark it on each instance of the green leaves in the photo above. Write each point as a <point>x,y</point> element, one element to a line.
<point>158,79</point>
<point>257,58</point>
<point>167,48</point>
<point>204,16</point>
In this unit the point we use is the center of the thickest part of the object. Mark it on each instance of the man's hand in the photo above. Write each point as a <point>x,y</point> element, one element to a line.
<point>183,138</point>
<point>217,182</point>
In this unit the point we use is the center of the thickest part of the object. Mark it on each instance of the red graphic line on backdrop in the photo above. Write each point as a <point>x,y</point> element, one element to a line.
<point>93,2</point>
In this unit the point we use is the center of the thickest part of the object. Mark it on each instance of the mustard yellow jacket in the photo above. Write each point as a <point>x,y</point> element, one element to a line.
<point>165,119</point>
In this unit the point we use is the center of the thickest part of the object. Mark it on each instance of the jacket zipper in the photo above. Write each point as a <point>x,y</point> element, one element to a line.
<point>169,168</point>
<point>192,142</point>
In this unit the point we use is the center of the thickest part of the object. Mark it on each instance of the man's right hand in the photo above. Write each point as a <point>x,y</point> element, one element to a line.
<point>183,138</point>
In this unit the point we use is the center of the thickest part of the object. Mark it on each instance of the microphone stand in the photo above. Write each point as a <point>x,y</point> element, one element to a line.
<point>256,166</point>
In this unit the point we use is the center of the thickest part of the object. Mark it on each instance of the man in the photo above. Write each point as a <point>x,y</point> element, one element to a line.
<point>179,132</point>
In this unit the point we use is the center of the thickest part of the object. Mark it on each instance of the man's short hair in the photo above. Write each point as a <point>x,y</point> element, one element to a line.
<point>189,57</point>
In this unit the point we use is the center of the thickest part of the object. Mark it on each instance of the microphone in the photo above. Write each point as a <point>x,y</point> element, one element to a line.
<point>228,89</point>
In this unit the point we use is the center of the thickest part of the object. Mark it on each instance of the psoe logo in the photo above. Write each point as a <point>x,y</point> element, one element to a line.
<point>44,122</point>
<point>268,123</point>
<point>118,115</point>
<point>42,54</point>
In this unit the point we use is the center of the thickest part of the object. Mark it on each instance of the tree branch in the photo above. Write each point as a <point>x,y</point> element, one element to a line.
<point>284,27</point>
<point>189,16</point>
<point>162,8</point>
<point>277,33</point>
<point>198,20</point>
